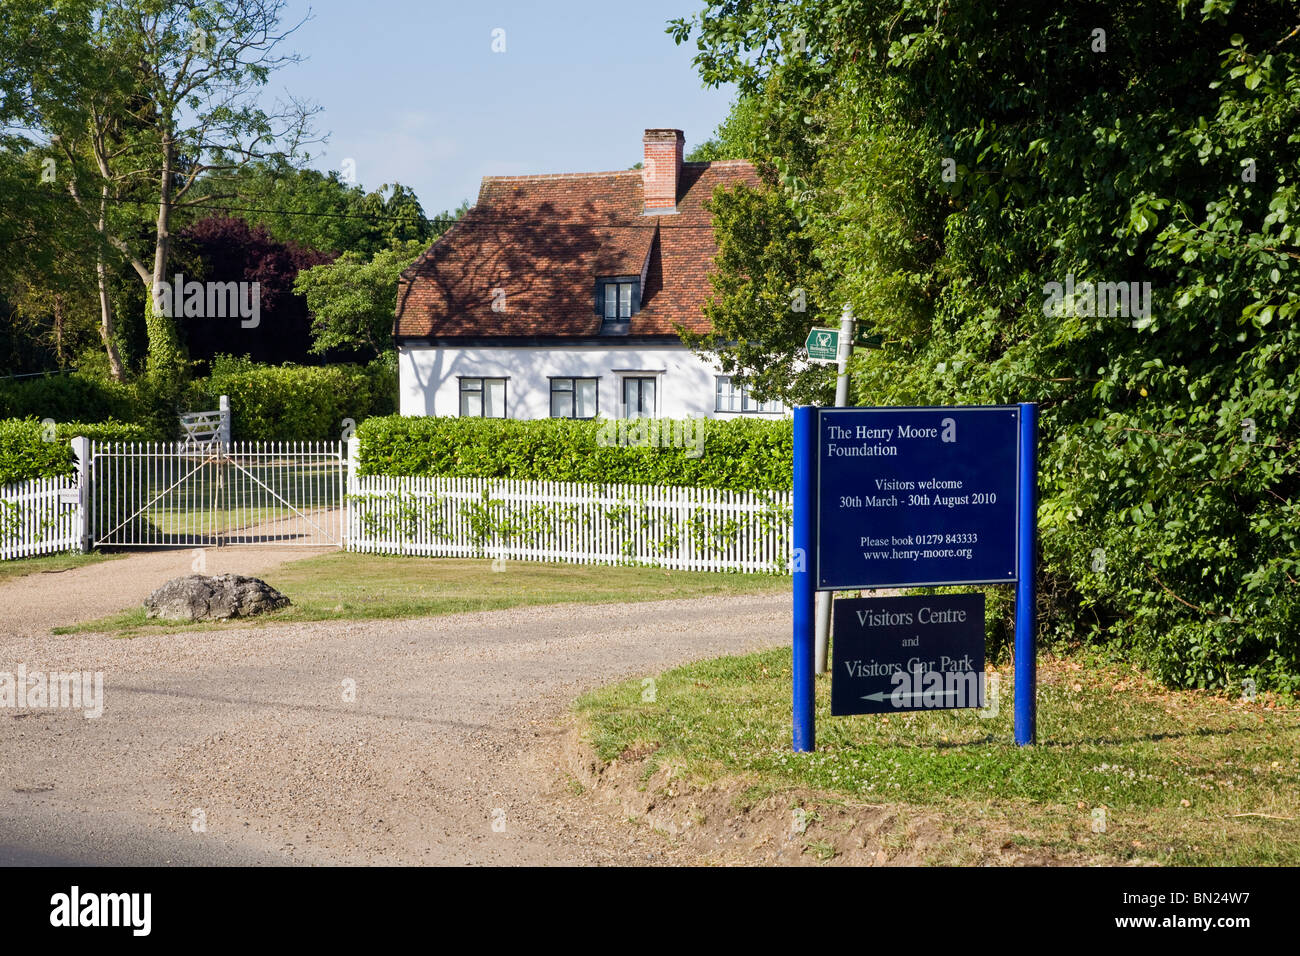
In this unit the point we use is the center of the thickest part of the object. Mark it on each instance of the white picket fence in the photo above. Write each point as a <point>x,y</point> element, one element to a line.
<point>697,529</point>
<point>39,516</point>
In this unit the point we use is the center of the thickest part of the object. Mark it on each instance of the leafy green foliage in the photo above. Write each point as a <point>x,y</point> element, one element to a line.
<point>82,397</point>
<point>289,402</point>
<point>354,301</point>
<point>72,397</point>
<point>29,450</point>
<point>24,452</point>
<point>738,454</point>
<point>139,99</point>
<point>763,269</point>
<point>44,272</point>
<point>138,118</point>
<point>938,169</point>
<point>318,210</point>
<point>297,403</point>
<point>735,136</point>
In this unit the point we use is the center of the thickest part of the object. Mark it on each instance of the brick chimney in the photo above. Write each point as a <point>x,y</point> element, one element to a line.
<point>663,169</point>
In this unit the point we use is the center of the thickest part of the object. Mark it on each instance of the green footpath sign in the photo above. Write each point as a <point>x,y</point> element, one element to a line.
<point>823,345</point>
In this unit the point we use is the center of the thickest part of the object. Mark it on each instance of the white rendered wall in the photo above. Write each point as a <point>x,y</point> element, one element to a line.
<point>430,378</point>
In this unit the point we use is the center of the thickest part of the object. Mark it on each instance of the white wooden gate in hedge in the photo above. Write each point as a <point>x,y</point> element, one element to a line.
<point>42,516</point>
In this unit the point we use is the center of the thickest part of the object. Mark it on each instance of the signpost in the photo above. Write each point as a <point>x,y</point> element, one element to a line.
<point>823,345</point>
<point>908,653</point>
<point>909,497</point>
<point>844,352</point>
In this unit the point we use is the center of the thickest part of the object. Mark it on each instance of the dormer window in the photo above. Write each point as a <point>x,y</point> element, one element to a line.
<point>617,300</point>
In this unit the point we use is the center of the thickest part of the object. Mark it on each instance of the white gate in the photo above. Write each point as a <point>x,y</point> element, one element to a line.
<point>181,494</point>
<point>207,428</point>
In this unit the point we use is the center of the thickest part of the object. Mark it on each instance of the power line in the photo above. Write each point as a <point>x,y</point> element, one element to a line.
<point>56,371</point>
<point>377,217</point>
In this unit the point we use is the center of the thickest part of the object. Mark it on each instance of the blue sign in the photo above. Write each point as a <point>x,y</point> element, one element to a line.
<point>909,497</point>
<point>864,477</point>
<point>908,653</point>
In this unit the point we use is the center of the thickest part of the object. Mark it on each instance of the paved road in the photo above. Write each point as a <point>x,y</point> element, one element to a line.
<point>447,755</point>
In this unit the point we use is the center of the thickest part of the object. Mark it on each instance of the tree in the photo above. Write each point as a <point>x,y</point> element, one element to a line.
<point>736,137</point>
<point>41,64</point>
<point>318,210</point>
<point>767,293</point>
<point>157,94</point>
<point>354,299</point>
<point>948,166</point>
<point>222,249</point>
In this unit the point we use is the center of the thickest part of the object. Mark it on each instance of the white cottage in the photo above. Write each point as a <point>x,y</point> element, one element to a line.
<point>561,296</point>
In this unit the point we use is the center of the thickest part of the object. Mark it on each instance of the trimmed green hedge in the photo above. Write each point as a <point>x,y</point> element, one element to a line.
<point>268,402</point>
<point>78,397</point>
<point>737,454</point>
<point>72,397</point>
<point>297,403</point>
<point>25,453</point>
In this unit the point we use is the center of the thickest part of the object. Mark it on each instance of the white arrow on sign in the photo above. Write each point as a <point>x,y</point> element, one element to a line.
<point>881,695</point>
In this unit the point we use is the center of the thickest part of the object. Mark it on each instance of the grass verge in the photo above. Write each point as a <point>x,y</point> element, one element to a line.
<point>346,586</point>
<point>1125,771</point>
<point>49,564</point>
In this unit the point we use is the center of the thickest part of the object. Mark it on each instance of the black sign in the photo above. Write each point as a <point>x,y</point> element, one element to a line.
<point>908,653</point>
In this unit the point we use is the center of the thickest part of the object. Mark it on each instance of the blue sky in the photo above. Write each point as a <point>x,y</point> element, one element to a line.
<point>413,92</point>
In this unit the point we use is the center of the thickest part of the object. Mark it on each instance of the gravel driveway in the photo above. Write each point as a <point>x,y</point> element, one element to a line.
<point>239,746</point>
<point>37,602</point>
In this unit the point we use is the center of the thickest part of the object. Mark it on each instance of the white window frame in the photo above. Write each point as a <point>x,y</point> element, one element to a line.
<point>572,391</point>
<point>748,406</point>
<point>462,391</point>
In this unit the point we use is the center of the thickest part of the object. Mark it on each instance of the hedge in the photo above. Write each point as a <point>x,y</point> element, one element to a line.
<point>25,453</point>
<point>268,402</point>
<point>83,398</point>
<point>297,403</point>
<point>737,454</point>
<point>73,397</point>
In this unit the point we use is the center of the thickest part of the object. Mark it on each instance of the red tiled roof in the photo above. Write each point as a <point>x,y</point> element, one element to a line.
<point>543,241</point>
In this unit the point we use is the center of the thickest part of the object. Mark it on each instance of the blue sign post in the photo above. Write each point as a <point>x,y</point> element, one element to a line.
<point>1026,541</point>
<point>805,591</point>
<point>911,497</point>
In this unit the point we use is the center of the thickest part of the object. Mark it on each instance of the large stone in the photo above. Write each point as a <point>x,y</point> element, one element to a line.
<point>202,597</point>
